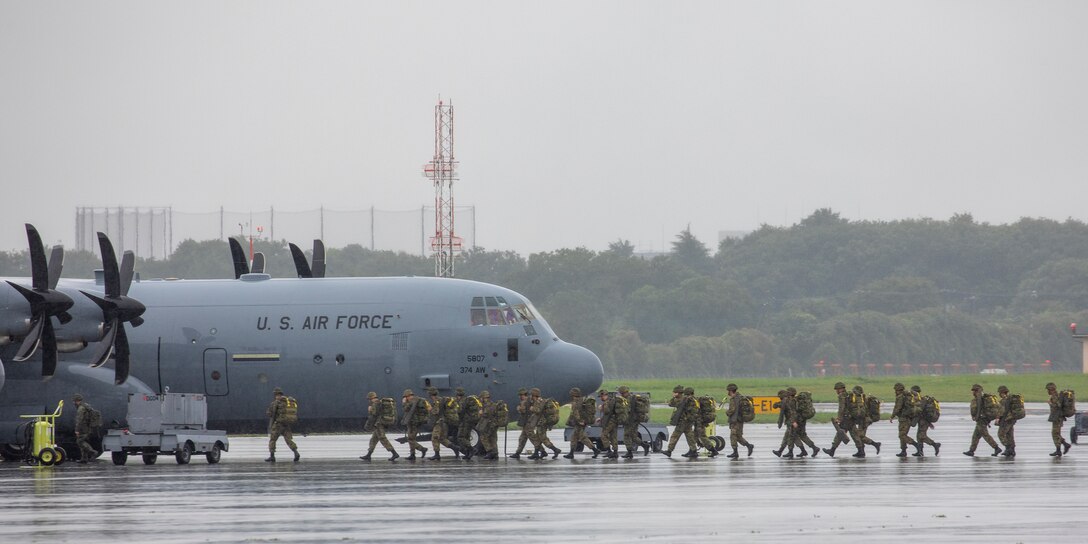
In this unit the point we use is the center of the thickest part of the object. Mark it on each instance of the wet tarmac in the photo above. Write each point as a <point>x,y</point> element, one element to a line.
<point>332,496</point>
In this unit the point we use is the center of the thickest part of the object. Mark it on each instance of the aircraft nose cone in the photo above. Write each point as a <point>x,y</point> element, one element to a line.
<point>563,366</point>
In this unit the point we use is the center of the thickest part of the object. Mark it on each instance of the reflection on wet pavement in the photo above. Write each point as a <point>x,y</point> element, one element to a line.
<point>332,496</point>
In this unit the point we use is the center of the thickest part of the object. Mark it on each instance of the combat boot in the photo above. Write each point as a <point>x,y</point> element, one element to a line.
<point>713,452</point>
<point>877,446</point>
<point>412,456</point>
<point>1010,452</point>
<point>395,456</point>
<point>366,457</point>
<point>297,456</point>
<point>777,453</point>
<point>861,452</point>
<point>467,453</point>
<point>788,454</point>
<point>830,452</point>
<point>555,452</point>
<point>596,452</point>
<point>902,452</point>
<point>815,451</point>
<point>997,451</point>
<point>1056,453</point>
<point>516,455</point>
<point>570,454</point>
<point>436,457</point>
<point>423,454</point>
<point>936,449</point>
<point>804,452</point>
<point>492,456</point>
<point>667,453</point>
<point>1065,447</point>
<point>918,450</point>
<point>271,458</point>
<point>692,454</point>
<point>629,455</point>
<point>534,456</point>
<point>645,448</point>
<point>751,448</point>
<point>969,453</point>
<point>734,455</point>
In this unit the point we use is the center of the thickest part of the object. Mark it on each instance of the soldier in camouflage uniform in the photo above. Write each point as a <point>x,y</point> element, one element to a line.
<point>682,419</point>
<point>470,416</point>
<point>84,429</point>
<point>861,428</point>
<point>800,426</point>
<point>699,426</point>
<point>609,425</point>
<point>523,421</point>
<point>412,408</point>
<point>631,438</point>
<point>577,421</point>
<point>442,410</point>
<point>375,425</point>
<point>539,424</point>
<point>1006,421</point>
<point>493,415</point>
<point>923,431</point>
<point>786,416</point>
<point>902,410</point>
<point>736,424</point>
<point>1056,419</point>
<point>278,426</point>
<point>982,424</point>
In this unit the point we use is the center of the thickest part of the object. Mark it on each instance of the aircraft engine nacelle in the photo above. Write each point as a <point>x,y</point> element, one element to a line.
<point>14,314</point>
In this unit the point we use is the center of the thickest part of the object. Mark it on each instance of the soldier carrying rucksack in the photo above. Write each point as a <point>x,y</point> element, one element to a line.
<point>543,414</point>
<point>471,408</point>
<point>381,413</point>
<point>984,409</point>
<point>445,412</point>
<point>1062,406</point>
<point>638,413</point>
<point>1011,411</point>
<point>683,417</point>
<point>416,413</point>
<point>583,410</point>
<point>523,421</point>
<point>908,404</point>
<point>282,413</point>
<point>88,423</point>
<point>927,416</point>
<point>494,417</point>
<point>738,413</point>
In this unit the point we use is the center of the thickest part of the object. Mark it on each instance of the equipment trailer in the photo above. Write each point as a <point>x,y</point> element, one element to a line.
<point>170,423</point>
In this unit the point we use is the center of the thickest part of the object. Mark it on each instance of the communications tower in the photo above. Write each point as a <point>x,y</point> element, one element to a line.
<point>442,171</point>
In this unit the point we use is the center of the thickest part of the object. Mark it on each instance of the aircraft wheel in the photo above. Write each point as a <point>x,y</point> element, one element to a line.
<point>119,458</point>
<point>150,458</point>
<point>184,454</point>
<point>213,455</point>
<point>48,456</point>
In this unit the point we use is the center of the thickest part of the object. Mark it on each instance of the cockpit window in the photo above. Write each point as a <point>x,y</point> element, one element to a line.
<point>495,317</point>
<point>523,312</point>
<point>496,311</point>
<point>491,302</point>
<point>477,301</point>
<point>479,317</point>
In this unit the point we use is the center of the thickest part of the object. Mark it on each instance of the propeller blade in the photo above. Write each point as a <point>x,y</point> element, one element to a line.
<point>301,266</point>
<point>319,259</point>
<point>105,348</point>
<point>258,263</point>
<point>239,257</point>
<point>128,261</point>
<point>136,321</point>
<point>109,267</point>
<point>49,349</point>
<point>39,269</point>
<point>56,264</point>
<point>32,341</point>
<point>121,356</point>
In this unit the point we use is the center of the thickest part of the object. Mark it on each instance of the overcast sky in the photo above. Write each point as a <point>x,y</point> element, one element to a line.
<point>578,123</point>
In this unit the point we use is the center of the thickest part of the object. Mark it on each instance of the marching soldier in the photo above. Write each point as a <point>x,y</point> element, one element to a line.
<point>443,411</point>
<point>736,424</point>
<point>376,423</point>
<point>493,415</point>
<point>1056,419</point>
<point>581,414</point>
<point>682,419</point>
<point>785,417</point>
<point>903,409</point>
<point>523,421</point>
<point>280,419</point>
<point>85,429</point>
<point>416,411</point>
<point>861,424</point>
<point>539,424</point>
<point>630,427</point>
<point>800,426</point>
<point>982,422</point>
<point>844,422</point>
<point>924,425</point>
<point>609,425</point>
<point>470,416</point>
<point>1012,410</point>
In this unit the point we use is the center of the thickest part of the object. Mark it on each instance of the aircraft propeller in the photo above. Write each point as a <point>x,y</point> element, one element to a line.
<point>302,267</point>
<point>45,302</point>
<point>258,263</point>
<point>241,266</point>
<point>117,309</point>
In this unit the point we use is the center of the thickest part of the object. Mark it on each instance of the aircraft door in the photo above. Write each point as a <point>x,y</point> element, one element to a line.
<point>215,372</point>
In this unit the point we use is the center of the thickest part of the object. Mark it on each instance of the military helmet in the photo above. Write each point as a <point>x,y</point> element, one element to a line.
<point>976,387</point>
<point>523,391</point>
<point>791,390</point>
<point>898,387</point>
<point>535,391</point>
<point>432,390</point>
<point>731,387</point>
<point>460,391</point>
<point>371,395</point>
<point>678,389</point>
<point>781,393</point>
<point>575,392</point>
<point>1051,386</point>
<point>1002,389</point>
<point>77,398</point>
<point>485,394</point>
<point>840,385</point>
<point>408,393</point>
<point>277,391</point>
<point>689,390</point>
<point>602,392</point>
<point>916,389</point>
<point>624,389</point>
<point>858,390</point>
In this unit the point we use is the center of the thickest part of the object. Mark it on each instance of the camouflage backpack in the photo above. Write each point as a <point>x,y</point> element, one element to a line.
<point>1016,408</point>
<point>589,410</point>
<point>691,409</point>
<point>550,414</point>
<point>805,408</point>
<point>451,411</point>
<point>96,419</point>
<point>422,411</point>
<point>500,414</point>
<point>620,410</point>
<point>931,409</point>
<point>747,409</point>
<point>470,410</point>
<point>856,406</point>
<point>1067,403</point>
<point>872,407</point>
<point>290,411</point>
<point>708,409</point>
<point>387,411</point>
<point>912,404</point>
<point>988,407</point>
<point>640,407</point>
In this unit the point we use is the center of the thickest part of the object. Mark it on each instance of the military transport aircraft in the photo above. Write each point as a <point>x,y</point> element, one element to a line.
<point>325,341</point>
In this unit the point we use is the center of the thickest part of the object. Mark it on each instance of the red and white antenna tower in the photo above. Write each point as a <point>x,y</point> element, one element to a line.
<point>442,170</point>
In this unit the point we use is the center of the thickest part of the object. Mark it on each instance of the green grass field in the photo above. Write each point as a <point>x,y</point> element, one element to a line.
<point>945,388</point>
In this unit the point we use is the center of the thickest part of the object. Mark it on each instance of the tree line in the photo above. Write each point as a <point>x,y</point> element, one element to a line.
<point>770,303</point>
